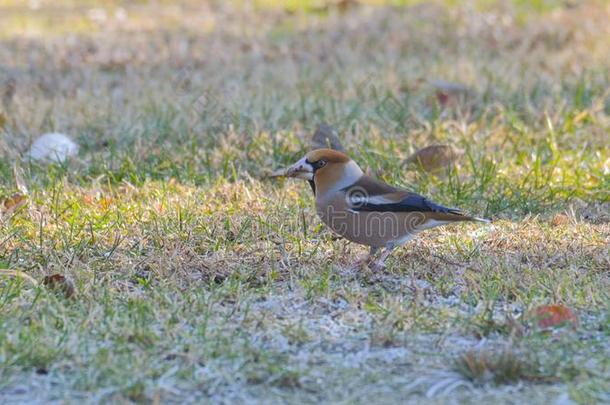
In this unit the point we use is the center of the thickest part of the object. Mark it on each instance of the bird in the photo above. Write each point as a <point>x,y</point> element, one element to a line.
<point>365,210</point>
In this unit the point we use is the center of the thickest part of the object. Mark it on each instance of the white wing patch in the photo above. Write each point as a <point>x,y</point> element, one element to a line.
<point>380,200</point>
<point>359,200</point>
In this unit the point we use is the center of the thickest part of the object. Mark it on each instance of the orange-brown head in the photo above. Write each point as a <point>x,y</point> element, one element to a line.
<point>328,168</point>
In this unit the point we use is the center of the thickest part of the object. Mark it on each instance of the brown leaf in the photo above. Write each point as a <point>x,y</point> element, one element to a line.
<point>60,283</point>
<point>14,201</point>
<point>555,315</point>
<point>434,157</point>
<point>326,137</point>
<point>12,204</point>
<point>560,219</point>
<point>344,6</point>
<point>3,120</point>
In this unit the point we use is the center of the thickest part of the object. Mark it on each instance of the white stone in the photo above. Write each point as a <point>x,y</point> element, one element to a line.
<point>53,147</point>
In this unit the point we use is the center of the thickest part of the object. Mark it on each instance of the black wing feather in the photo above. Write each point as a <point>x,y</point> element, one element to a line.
<point>411,203</point>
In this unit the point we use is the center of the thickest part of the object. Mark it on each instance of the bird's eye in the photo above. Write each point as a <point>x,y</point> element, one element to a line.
<point>318,164</point>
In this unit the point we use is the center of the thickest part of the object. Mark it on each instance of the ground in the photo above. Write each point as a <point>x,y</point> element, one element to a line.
<point>197,279</point>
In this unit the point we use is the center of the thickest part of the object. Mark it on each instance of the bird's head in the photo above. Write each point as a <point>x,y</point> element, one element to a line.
<point>327,168</point>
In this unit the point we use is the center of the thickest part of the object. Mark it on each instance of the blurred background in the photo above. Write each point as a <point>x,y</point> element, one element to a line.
<point>188,89</point>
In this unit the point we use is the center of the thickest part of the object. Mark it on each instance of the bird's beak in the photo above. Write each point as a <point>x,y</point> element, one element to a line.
<point>301,170</point>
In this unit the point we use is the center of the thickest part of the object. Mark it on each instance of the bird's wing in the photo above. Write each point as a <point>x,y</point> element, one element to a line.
<point>403,201</point>
<point>372,195</point>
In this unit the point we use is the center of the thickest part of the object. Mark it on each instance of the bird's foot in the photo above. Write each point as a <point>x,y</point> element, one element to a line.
<point>363,262</point>
<point>377,266</point>
<point>359,264</point>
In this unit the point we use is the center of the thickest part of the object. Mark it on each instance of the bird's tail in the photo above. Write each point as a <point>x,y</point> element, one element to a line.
<point>459,215</point>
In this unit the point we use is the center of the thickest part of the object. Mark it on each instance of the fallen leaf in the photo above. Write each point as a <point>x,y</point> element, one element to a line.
<point>12,204</point>
<point>3,120</point>
<point>434,157</point>
<point>346,5</point>
<point>555,315</point>
<point>15,201</point>
<point>60,283</point>
<point>560,219</point>
<point>326,137</point>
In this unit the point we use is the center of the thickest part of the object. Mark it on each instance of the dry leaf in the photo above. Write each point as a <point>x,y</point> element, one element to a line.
<point>344,6</point>
<point>12,204</point>
<point>3,120</point>
<point>60,283</point>
<point>555,315</point>
<point>560,219</point>
<point>16,200</point>
<point>434,157</point>
<point>326,137</point>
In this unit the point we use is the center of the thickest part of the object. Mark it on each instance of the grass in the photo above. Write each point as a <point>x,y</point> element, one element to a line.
<point>195,278</point>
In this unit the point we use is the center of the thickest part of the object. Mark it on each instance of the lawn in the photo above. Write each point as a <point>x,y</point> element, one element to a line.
<point>188,275</point>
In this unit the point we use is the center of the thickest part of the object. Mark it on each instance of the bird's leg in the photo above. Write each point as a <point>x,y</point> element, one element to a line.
<point>368,259</point>
<point>380,264</point>
<point>371,257</point>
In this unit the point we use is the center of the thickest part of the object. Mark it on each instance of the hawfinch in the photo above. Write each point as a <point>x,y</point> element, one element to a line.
<point>365,210</point>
